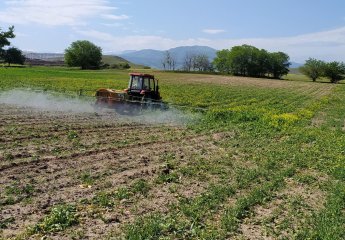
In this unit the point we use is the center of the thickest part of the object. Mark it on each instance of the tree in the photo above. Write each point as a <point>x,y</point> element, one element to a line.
<point>168,62</point>
<point>263,62</point>
<point>14,55</point>
<point>279,64</point>
<point>222,61</point>
<point>197,62</point>
<point>188,62</point>
<point>241,60</point>
<point>4,36</point>
<point>201,63</point>
<point>83,54</point>
<point>313,68</point>
<point>335,71</point>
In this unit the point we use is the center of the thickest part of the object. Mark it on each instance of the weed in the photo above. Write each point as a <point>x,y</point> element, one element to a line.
<point>103,199</point>
<point>195,208</point>
<point>87,178</point>
<point>5,222</point>
<point>168,157</point>
<point>329,222</point>
<point>306,179</point>
<point>150,227</point>
<point>60,218</point>
<point>8,156</point>
<point>171,177</point>
<point>140,186</point>
<point>173,188</point>
<point>16,193</point>
<point>72,135</point>
<point>77,234</point>
<point>122,193</point>
<point>233,215</point>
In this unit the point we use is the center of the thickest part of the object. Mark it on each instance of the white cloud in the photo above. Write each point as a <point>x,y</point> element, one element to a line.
<point>213,31</point>
<point>327,45</point>
<point>115,24</point>
<point>115,17</point>
<point>53,13</point>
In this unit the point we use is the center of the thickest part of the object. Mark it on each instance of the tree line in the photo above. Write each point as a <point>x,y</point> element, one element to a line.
<point>242,60</point>
<point>247,60</point>
<point>191,62</point>
<point>250,61</point>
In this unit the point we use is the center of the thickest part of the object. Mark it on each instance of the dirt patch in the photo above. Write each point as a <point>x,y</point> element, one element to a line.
<point>318,90</point>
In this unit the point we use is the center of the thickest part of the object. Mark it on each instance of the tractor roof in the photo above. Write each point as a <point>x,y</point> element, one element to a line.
<point>142,75</point>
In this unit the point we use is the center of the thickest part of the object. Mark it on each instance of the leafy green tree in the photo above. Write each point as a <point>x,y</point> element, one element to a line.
<point>279,64</point>
<point>263,62</point>
<point>14,55</point>
<point>335,71</point>
<point>243,60</point>
<point>222,61</point>
<point>4,36</point>
<point>313,68</point>
<point>83,54</point>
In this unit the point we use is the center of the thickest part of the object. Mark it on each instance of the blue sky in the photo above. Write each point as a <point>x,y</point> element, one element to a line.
<point>300,28</point>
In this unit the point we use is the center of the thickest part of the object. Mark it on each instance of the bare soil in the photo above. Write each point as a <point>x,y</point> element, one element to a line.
<point>50,152</point>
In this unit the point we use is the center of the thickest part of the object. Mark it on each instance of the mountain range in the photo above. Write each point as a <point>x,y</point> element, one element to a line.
<point>154,58</point>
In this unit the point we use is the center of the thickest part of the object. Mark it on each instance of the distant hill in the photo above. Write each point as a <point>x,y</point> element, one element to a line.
<point>110,59</point>
<point>153,58</point>
<point>295,65</point>
<point>57,59</point>
<point>44,56</point>
<point>148,57</point>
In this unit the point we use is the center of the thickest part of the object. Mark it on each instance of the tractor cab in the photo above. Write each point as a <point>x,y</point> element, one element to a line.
<point>143,86</point>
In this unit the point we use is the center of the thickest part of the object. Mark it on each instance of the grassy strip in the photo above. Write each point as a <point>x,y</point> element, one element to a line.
<point>233,215</point>
<point>188,218</point>
<point>329,223</point>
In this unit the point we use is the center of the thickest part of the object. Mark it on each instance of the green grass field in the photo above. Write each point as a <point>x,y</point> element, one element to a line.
<point>276,167</point>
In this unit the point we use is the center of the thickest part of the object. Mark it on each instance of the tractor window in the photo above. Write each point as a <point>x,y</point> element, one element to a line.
<point>146,84</point>
<point>136,83</point>
<point>152,84</point>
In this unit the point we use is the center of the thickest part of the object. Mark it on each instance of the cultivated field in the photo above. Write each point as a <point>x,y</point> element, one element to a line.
<point>264,159</point>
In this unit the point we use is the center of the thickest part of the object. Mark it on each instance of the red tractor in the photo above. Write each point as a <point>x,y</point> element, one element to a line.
<point>142,93</point>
